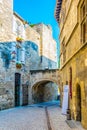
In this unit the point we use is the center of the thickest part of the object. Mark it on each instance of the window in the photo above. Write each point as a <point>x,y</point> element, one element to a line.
<point>83,12</point>
<point>84,32</point>
<point>18,28</point>
<point>23,55</point>
<point>61,60</point>
<point>64,55</point>
<point>83,20</point>
<point>13,52</point>
<point>20,55</point>
<point>63,51</point>
<point>18,58</point>
<point>62,15</point>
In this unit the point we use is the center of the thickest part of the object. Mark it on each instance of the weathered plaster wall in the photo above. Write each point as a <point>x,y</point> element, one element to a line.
<point>35,61</point>
<point>31,58</point>
<point>8,69</point>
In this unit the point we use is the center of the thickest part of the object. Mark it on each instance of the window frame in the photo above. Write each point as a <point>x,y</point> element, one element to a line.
<point>18,54</point>
<point>83,21</point>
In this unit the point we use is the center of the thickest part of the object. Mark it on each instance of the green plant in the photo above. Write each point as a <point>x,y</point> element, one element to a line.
<point>18,65</point>
<point>19,39</point>
<point>32,25</point>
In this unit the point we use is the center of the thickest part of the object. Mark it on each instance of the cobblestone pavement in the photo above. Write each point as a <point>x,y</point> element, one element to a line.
<point>23,118</point>
<point>34,118</point>
<point>58,121</point>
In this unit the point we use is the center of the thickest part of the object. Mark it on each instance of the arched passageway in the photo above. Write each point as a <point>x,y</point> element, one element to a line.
<point>45,91</point>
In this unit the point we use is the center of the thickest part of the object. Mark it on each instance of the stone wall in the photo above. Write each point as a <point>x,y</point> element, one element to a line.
<point>45,32</point>
<point>45,92</point>
<point>32,35</point>
<point>50,92</point>
<point>79,69</point>
<point>6,18</point>
<point>6,77</point>
<point>27,53</point>
<point>76,60</point>
<point>8,56</point>
<point>40,34</point>
<point>35,61</point>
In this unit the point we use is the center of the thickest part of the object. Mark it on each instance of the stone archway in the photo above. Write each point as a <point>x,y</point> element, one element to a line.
<point>44,91</point>
<point>78,102</point>
<point>38,77</point>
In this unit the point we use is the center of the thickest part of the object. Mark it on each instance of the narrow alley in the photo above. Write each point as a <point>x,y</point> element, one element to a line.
<point>44,116</point>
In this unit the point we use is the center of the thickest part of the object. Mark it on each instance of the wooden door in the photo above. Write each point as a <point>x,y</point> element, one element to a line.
<point>78,103</point>
<point>17,89</point>
<point>25,94</point>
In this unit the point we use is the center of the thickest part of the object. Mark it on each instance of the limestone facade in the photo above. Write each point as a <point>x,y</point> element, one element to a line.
<point>73,54</point>
<point>6,17</point>
<point>20,47</point>
<point>47,44</point>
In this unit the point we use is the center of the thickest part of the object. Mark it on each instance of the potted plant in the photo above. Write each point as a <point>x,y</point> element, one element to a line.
<point>18,65</point>
<point>19,39</point>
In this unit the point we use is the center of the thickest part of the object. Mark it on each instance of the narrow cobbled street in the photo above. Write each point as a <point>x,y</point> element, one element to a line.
<point>46,116</point>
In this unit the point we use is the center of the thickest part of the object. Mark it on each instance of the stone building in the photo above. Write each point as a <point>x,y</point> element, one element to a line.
<point>47,44</point>
<point>6,16</point>
<point>20,52</point>
<point>72,18</point>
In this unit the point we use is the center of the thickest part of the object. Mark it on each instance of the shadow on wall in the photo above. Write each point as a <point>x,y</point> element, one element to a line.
<point>10,52</point>
<point>37,62</point>
<point>44,92</point>
<point>32,58</point>
<point>5,54</point>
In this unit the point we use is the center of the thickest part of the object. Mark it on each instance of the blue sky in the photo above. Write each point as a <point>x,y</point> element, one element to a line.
<point>38,11</point>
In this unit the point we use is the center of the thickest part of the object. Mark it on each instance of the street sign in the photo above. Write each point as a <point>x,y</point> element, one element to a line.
<point>65,99</point>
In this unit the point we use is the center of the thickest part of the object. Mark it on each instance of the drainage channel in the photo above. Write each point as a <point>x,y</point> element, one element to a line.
<point>48,119</point>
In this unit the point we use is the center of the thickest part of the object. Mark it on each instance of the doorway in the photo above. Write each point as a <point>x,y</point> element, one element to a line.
<point>78,103</point>
<point>25,94</point>
<point>17,89</point>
